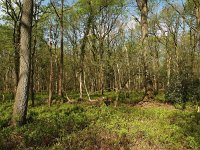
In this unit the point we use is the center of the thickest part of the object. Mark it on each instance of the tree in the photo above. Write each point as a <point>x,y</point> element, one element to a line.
<point>60,18</point>
<point>6,61</point>
<point>51,66</point>
<point>196,8</point>
<point>21,97</point>
<point>82,49</point>
<point>13,9</point>
<point>102,27</point>
<point>36,12</point>
<point>148,84</point>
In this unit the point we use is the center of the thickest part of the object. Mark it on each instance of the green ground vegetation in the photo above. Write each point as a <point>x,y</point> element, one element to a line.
<point>151,125</point>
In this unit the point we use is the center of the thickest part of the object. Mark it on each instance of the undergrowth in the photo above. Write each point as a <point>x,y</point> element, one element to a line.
<point>65,126</point>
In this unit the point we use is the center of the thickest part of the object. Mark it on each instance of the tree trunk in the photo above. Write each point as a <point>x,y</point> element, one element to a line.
<point>197,11</point>
<point>80,86</point>
<point>51,67</point>
<point>86,87</point>
<point>82,55</point>
<point>32,92</point>
<point>16,41</point>
<point>101,46</point>
<point>60,86</point>
<point>156,66</point>
<point>56,65</point>
<point>148,84</point>
<point>21,97</point>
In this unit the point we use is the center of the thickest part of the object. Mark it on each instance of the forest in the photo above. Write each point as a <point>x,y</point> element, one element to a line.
<point>99,74</point>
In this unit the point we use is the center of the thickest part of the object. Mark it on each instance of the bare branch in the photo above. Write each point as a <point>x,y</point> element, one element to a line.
<point>55,10</point>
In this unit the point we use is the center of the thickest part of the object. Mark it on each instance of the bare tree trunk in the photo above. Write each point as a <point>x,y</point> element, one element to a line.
<point>197,11</point>
<point>168,62</point>
<point>101,66</point>
<point>60,86</point>
<point>21,97</point>
<point>192,53</point>
<point>56,63</point>
<point>16,41</point>
<point>139,76</point>
<point>148,84</point>
<point>32,92</point>
<point>50,81</point>
<point>15,15</point>
<point>80,86</point>
<point>129,72</point>
<point>35,19</point>
<point>60,16</point>
<point>6,81</point>
<point>155,68</point>
<point>51,67</point>
<point>86,87</point>
<point>82,55</point>
<point>117,85</point>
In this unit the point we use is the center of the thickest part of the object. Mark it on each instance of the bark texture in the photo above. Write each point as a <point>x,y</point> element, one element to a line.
<point>21,97</point>
<point>60,86</point>
<point>148,83</point>
<point>51,67</point>
<point>197,13</point>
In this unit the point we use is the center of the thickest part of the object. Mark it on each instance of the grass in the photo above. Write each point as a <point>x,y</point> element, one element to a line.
<point>80,126</point>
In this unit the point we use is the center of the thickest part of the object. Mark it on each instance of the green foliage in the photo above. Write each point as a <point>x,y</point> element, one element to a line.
<point>6,50</point>
<point>160,97</point>
<point>186,91</point>
<point>132,97</point>
<point>173,93</point>
<point>5,115</point>
<point>6,96</point>
<point>90,127</point>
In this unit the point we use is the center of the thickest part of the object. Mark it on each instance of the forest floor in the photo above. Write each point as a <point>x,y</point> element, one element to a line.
<point>148,125</point>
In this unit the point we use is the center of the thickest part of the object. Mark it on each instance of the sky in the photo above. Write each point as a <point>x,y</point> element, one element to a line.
<point>130,19</point>
<point>1,13</point>
<point>68,2</point>
<point>131,23</point>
